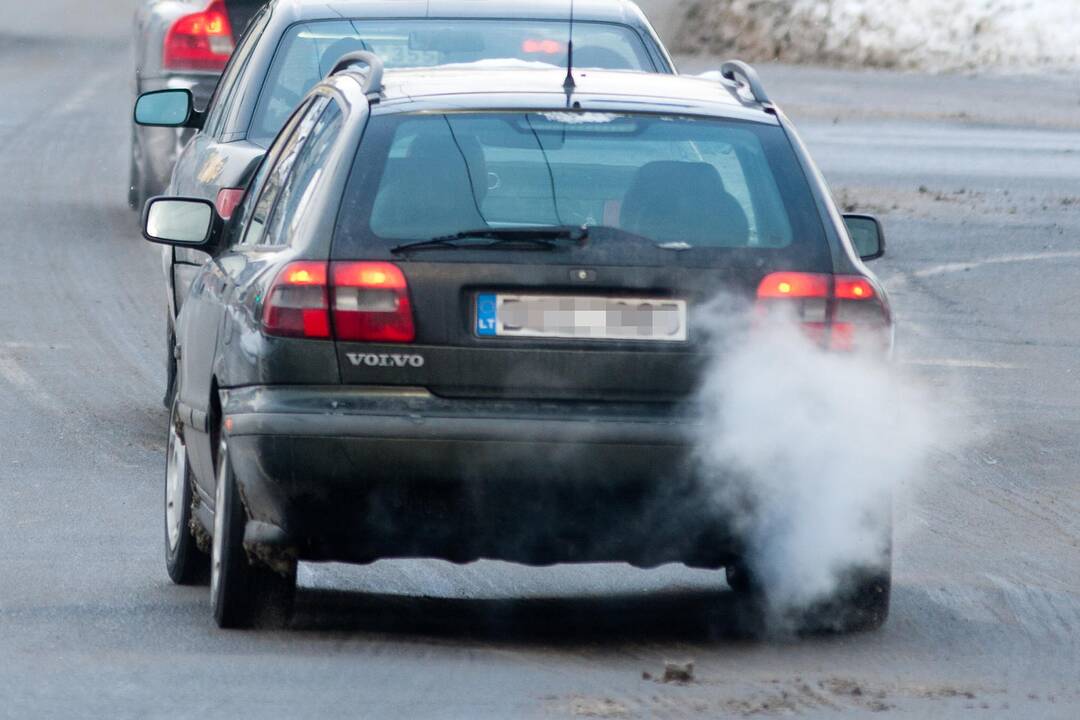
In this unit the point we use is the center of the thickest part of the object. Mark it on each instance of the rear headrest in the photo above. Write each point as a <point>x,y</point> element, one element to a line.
<point>337,50</point>
<point>424,197</point>
<point>673,201</point>
<point>430,146</point>
<point>676,174</point>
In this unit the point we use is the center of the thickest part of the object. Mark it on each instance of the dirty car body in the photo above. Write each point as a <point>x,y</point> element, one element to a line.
<point>379,376</point>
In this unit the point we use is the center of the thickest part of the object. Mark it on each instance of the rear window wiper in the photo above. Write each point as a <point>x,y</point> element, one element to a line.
<point>532,238</point>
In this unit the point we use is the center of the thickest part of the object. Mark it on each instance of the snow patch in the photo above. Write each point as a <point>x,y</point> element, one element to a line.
<point>1010,35</point>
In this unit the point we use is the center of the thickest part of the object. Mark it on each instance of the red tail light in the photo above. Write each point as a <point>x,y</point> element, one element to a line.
<point>227,201</point>
<point>296,305</point>
<point>841,312</point>
<point>794,285</point>
<point>200,41</point>
<point>371,303</point>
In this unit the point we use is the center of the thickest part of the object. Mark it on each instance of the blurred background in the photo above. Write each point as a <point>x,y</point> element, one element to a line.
<point>935,35</point>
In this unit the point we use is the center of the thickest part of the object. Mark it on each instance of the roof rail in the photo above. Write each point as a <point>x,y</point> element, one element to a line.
<point>734,69</point>
<point>373,83</point>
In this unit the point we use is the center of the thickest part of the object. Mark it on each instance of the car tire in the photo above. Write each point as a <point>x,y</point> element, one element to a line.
<point>741,579</point>
<point>863,597</point>
<point>243,594</point>
<point>860,605</point>
<point>185,562</point>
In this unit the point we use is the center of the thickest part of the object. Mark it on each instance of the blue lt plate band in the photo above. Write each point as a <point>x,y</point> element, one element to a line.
<point>487,315</point>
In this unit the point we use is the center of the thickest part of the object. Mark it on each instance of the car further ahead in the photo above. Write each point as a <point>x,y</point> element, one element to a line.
<point>178,44</point>
<point>292,44</point>
<point>455,318</point>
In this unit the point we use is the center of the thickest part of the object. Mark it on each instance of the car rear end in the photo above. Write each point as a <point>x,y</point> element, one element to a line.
<point>506,396</point>
<point>181,45</point>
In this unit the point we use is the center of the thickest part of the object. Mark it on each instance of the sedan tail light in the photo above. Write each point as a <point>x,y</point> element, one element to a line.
<point>201,41</point>
<point>840,312</point>
<point>367,302</point>
<point>228,199</point>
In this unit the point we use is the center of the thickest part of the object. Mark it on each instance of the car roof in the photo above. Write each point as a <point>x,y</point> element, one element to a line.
<point>511,85</point>
<point>620,11</point>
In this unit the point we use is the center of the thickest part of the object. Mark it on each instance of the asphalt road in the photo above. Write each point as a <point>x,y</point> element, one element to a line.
<point>979,183</point>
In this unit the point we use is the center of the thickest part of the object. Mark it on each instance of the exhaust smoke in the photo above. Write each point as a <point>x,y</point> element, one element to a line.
<point>805,450</point>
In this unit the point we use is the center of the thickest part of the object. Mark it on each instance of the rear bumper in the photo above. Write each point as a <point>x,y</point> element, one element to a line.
<point>361,475</point>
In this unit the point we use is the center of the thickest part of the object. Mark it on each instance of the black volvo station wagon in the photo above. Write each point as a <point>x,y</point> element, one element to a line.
<point>453,318</point>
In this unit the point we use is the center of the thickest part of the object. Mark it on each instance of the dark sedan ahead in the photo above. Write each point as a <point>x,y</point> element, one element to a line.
<point>292,44</point>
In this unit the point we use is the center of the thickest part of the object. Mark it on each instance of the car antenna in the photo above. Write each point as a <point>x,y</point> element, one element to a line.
<point>569,84</point>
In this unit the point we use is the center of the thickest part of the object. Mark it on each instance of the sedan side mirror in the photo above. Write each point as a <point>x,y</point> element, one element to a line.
<point>182,222</point>
<point>168,108</point>
<point>867,235</point>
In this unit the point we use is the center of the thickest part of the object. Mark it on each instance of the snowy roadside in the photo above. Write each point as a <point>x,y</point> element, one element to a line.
<point>937,35</point>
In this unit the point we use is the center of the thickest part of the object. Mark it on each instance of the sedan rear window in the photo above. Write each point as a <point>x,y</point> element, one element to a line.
<point>696,188</point>
<point>308,51</point>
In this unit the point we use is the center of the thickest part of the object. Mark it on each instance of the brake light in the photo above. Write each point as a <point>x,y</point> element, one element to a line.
<point>368,302</point>
<point>839,312</point>
<point>200,41</point>
<point>227,201</point>
<point>854,288</point>
<point>546,47</point>
<point>296,305</point>
<point>371,303</point>
<point>794,285</point>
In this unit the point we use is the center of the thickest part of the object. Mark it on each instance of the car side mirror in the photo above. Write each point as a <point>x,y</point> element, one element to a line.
<point>867,235</point>
<point>168,108</point>
<point>182,222</point>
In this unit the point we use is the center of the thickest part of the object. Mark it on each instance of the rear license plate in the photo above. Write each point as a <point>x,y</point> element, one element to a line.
<point>580,318</point>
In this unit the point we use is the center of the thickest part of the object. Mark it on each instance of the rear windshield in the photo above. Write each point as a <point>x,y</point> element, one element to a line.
<point>651,189</point>
<point>308,52</point>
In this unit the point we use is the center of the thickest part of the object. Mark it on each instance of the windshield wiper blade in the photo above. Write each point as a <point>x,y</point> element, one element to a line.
<point>534,238</point>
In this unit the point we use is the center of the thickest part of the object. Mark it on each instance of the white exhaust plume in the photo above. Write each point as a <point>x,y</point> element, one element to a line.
<point>807,449</point>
